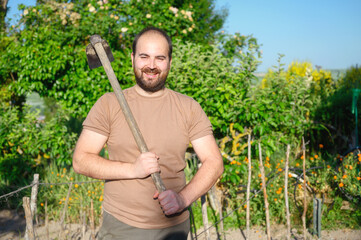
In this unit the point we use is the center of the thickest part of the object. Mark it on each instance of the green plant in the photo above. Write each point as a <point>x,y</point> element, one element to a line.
<point>209,77</point>
<point>28,144</point>
<point>55,194</point>
<point>47,51</point>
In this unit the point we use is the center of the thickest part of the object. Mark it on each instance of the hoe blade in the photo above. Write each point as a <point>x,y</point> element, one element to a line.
<point>92,56</point>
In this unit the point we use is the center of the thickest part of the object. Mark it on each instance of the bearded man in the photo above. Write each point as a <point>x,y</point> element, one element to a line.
<point>169,121</point>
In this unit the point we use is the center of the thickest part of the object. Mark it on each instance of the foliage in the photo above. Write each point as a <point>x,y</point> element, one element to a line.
<point>352,78</point>
<point>212,80</point>
<point>28,144</point>
<point>321,169</point>
<point>279,109</point>
<point>338,113</point>
<point>320,81</point>
<point>81,194</point>
<point>47,52</point>
<point>347,176</point>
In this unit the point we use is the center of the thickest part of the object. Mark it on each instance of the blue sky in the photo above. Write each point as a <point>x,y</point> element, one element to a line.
<point>324,32</point>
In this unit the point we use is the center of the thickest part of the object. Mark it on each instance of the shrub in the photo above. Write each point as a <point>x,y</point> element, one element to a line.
<point>28,144</point>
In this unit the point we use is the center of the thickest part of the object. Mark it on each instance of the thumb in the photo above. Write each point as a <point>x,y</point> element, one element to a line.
<point>156,194</point>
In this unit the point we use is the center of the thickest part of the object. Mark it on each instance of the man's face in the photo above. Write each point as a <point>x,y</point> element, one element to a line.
<point>151,62</point>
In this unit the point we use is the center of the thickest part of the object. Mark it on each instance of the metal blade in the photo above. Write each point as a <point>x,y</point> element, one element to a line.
<point>92,56</point>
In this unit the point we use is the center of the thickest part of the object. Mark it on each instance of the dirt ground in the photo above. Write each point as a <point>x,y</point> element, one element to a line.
<point>12,225</point>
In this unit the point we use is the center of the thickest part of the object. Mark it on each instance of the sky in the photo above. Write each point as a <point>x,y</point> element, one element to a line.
<point>326,33</point>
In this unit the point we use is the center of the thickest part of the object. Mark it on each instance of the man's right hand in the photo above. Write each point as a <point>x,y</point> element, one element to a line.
<point>145,165</point>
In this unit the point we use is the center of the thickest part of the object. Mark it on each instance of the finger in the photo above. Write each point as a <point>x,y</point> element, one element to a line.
<point>156,194</point>
<point>170,211</point>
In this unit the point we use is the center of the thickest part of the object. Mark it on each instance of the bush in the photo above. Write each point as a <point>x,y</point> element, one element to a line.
<point>28,144</point>
<point>338,113</point>
<point>210,78</point>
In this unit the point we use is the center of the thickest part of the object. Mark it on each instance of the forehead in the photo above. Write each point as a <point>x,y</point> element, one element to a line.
<point>152,43</point>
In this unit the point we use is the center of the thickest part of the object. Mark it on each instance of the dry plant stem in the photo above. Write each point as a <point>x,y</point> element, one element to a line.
<point>216,205</point>
<point>46,220</point>
<point>286,195</point>
<point>34,194</point>
<point>221,217</point>
<point>264,192</point>
<point>304,189</point>
<point>205,216</point>
<point>83,217</point>
<point>65,206</point>
<point>92,225</point>
<point>29,235</point>
<point>248,186</point>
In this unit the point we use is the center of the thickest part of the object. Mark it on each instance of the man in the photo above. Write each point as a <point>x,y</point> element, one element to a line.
<point>169,121</point>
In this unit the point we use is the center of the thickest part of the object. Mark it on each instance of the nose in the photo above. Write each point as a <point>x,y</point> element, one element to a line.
<point>152,64</point>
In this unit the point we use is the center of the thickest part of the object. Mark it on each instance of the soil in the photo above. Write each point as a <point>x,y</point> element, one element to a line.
<point>12,226</point>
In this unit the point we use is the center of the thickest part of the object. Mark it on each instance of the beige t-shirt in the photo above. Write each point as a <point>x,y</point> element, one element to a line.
<point>168,123</point>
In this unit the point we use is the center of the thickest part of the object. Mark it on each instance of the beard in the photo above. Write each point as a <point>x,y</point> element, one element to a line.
<point>150,85</point>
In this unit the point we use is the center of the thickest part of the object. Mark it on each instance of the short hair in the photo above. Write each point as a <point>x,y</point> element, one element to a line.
<point>156,30</point>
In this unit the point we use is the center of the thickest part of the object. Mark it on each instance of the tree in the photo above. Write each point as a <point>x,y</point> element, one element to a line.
<point>47,54</point>
<point>3,10</point>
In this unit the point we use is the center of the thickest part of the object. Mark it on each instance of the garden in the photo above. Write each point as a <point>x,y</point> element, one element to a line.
<point>296,119</point>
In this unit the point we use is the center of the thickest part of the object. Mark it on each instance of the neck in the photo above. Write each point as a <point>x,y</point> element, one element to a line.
<point>144,93</point>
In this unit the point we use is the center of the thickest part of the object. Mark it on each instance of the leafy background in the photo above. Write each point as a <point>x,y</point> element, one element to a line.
<point>45,55</point>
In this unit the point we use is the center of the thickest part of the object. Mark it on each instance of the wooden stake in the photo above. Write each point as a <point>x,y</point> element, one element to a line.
<point>264,192</point>
<point>205,216</point>
<point>46,220</point>
<point>286,195</point>
<point>65,208</point>
<point>34,194</point>
<point>216,205</point>
<point>249,187</point>
<point>92,225</point>
<point>29,235</point>
<point>83,219</point>
<point>304,190</point>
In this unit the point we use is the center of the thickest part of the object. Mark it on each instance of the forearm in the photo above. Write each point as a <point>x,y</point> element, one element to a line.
<point>94,166</point>
<point>204,179</point>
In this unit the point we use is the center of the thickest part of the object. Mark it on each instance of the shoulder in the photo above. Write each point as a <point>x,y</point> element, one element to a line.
<point>182,97</point>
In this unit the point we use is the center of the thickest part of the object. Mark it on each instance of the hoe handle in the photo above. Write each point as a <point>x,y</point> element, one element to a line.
<point>126,110</point>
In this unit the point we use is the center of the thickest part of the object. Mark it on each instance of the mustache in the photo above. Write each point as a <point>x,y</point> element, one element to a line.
<point>151,70</point>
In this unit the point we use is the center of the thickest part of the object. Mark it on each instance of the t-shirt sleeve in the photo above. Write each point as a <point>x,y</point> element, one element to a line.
<point>98,118</point>
<point>200,125</point>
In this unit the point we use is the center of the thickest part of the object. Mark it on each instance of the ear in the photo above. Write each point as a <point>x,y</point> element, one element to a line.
<point>132,57</point>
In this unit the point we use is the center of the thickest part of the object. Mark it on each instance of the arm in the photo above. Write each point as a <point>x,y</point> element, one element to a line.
<point>207,175</point>
<point>86,160</point>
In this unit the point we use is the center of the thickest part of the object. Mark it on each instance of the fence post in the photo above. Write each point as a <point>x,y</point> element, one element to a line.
<point>65,208</point>
<point>304,190</point>
<point>216,205</point>
<point>248,187</point>
<point>29,233</point>
<point>205,216</point>
<point>264,192</point>
<point>34,194</point>
<point>46,220</point>
<point>92,225</point>
<point>286,195</point>
<point>83,220</point>
<point>317,215</point>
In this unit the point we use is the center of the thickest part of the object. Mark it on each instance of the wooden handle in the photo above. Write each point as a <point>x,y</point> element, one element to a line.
<point>126,110</point>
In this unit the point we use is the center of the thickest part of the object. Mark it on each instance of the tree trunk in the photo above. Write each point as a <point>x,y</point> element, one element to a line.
<point>3,10</point>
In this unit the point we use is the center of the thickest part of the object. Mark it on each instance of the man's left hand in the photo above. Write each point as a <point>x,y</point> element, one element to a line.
<point>170,201</point>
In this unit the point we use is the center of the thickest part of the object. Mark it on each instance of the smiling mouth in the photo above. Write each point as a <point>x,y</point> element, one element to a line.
<point>151,75</point>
